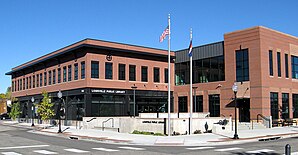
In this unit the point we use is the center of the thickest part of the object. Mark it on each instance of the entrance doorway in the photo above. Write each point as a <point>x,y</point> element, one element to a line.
<point>244,109</point>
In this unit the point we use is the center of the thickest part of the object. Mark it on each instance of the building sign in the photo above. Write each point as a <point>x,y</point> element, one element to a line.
<point>107,91</point>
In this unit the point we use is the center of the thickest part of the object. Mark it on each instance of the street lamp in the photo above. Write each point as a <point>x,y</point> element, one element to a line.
<point>134,100</point>
<point>32,109</point>
<point>59,94</point>
<point>195,100</point>
<point>235,89</point>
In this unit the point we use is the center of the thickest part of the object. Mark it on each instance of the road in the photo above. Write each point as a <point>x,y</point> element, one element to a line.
<point>19,141</point>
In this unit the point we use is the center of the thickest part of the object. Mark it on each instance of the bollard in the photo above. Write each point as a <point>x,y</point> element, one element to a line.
<point>288,149</point>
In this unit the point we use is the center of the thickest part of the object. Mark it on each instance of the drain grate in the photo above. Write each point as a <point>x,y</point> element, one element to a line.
<point>269,138</point>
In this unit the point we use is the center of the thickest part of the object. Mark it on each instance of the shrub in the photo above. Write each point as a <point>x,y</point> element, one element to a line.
<point>197,132</point>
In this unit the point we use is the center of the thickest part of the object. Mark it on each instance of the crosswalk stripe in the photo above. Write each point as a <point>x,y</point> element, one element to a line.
<point>132,148</point>
<point>44,152</point>
<point>199,148</point>
<point>259,151</point>
<point>76,150</point>
<point>228,149</point>
<point>22,147</point>
<point>104,149</point>
<point>10,153</point>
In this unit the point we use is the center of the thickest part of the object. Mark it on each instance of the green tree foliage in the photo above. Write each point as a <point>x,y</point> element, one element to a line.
<point>8,93</point>
<point>2,96</point>
<point>15,111</point>
<point>45,108</point>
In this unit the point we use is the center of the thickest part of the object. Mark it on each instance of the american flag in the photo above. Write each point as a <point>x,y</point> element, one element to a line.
<point>164,34</point>
<point>190,49</point>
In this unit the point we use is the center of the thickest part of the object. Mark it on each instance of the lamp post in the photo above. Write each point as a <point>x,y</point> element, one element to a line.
<point>195,100</point>
<point>235,89</point>
<point>134,100</point>
<point>32,109</point>
<point>59,94</point>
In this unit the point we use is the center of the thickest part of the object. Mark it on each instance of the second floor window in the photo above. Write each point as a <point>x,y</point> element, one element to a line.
<point>45,79</point>
<point>69,73</point>
<point>270,63</point>
<point>40,79</point>
<point>132,72</point>
<point>37,80</point>
<point>64,74</point>
<point>144,77</point>
<point>278,64</point>
<point>83,70</point>
<point>109,70</point>
<point>294,67</point>
<point>50,77</point>
<point>242,65</point>
<point>76,71</point>
<point>121,72</point>
<point>59,75</point>
<point>156,74</point>
<point>94,69</point>
<point>166,75</point>
<point>287,65</point>
<point>54,76</point>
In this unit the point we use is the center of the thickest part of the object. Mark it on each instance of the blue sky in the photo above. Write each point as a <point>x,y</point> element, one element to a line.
<point>32,28</point>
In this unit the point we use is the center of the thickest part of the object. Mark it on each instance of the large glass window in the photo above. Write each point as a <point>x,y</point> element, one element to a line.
<point>76,71</point>
<point>182,102</point>
<point>45,79</point>
<point>109,70</point>
<point>295,105</point>
<point>59,75</point>
<point>285,105</point>
<point>83,70</point>
<point>27,83</point>
<point>33,81</point>
<point>144,74</point>
<point>278,64</point>
<point>198,103</point>
<point>54,76</point>
<point>108,105</point>
<point>156,74</point>
<point>24,84</point>
<point>242,65</point>
<point>132,72</point>
<point>37,80</point>
<point>121,72</point>
<point>274,105</point>
<point>40,79</point>
<point>214,105</point>
<point>287,65</point>
<point>50,77</point>
<point>294,67</point>
<point>270,63</point>
<point>21,81</point>
<point>64,74</point>
<point>94,69</point>
<point>166,75</point>
<point>69,73</point>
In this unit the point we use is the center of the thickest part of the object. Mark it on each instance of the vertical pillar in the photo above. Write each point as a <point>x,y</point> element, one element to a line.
<point>88,102</point>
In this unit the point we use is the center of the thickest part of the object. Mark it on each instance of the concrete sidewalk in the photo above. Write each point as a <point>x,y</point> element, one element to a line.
<point>183,140</point>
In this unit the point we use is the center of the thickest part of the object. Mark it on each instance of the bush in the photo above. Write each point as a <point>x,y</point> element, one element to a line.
<point>197,132</point>
<point>147,133</point>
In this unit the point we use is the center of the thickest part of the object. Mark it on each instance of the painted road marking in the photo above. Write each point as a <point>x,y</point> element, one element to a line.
<point>228,149</point>
<point>22,147</point>
<point>44,152</point>
<point>76,150</point>
<point>104,149</point>
<point>10,153</point>
<point>260,151</point>
<point>132,148</point>
<point>199,148</point>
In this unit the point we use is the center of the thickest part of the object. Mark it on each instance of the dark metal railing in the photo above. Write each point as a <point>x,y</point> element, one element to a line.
<point>264,118</point>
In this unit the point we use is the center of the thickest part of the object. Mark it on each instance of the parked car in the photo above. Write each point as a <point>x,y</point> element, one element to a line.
<point>4,116</point>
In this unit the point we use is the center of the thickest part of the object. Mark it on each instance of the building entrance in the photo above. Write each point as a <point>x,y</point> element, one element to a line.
<point>244,109</point>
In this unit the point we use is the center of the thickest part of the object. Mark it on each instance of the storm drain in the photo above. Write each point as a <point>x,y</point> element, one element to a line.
<point>269,138</point>
<point>74,137</point>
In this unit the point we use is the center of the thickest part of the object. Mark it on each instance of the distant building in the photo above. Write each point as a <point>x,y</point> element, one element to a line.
<point>96,77</point>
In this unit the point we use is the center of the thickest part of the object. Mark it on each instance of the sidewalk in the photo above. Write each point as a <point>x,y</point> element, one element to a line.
<point>183,140</point>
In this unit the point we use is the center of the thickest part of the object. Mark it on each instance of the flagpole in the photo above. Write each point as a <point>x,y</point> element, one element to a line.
<point>190,90</point>
<point>169,77</point>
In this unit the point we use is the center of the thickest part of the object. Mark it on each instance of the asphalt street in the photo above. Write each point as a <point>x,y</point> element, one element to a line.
<point>19,141</point>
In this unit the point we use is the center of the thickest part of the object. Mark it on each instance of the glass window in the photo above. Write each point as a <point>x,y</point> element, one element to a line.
<point>278,64</point>
<point>109,70</point>
<point>33,81</point>
<point>94,69</point>
<point>294,67</point>
<point>40,79</point>
<point>166,76</point>
<point>21,83</point>
<point>69,73</point>
<point>27,83</point>
<point>295,105</point>
<point>144,77</point>
<point>132,72</point>
<point>64,74</point>
<point>83,70</point>
<point>242,65</point>
<point>274,105</point>
<point>214,105</point>
<point>285,105</point>
<point>270,63</point>
<point>59,75</point>
<point>45,79</point>
<point>76,71</point>
<point>24,83</point>
<point>121,72</point>
<point>156,74</point>
<point>287,65</point>
<point>182,103</point>
<point>54,76</point>
<point>198,103</point>
<point>37,80</point>
<point>50,77</point>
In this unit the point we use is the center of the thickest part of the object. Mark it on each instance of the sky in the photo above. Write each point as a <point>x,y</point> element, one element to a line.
<point>33,28</point>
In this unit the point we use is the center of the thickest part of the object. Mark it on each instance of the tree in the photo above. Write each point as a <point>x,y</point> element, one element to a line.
<point>15,111</point>
<point>2,96</point>
<point>45,108</point>
<point>8,93</point>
